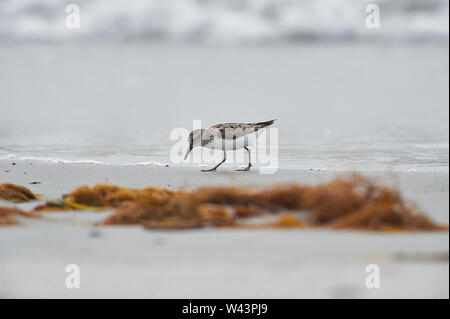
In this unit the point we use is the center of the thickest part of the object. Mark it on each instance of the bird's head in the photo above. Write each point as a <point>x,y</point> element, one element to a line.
<point>194,139</point>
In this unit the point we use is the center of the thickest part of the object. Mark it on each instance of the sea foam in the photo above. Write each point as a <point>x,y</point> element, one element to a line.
<point>225,21</point>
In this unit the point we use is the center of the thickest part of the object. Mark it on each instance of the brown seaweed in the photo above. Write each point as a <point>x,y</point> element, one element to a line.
<point>8,215</point>
<point>354,202</point>
<point>105,195</point>
<point>16,193</point>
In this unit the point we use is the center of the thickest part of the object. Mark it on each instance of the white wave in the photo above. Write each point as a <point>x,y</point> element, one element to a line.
<point>223,21</point>
<point>58,161</point>
<point>82,161</point>
<point>52,160</point>
<point>148,163</point>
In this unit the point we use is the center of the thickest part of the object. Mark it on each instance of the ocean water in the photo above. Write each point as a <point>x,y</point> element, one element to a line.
<point>224,21</point>
<point>341,106</point>
<point>114,90</point>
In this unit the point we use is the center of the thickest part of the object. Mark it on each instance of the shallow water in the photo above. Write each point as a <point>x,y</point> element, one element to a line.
<point>352,106</point>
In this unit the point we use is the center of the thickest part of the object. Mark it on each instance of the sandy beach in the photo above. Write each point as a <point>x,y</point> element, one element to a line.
<point>128,261</point>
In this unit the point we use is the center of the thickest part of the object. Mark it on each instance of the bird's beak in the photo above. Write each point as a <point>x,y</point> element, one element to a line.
<point>188,151</point>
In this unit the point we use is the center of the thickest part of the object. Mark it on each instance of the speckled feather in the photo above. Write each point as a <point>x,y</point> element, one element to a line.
<point>232,131</point>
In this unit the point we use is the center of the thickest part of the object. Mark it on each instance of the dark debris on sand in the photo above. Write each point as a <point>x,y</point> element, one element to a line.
<point>344,203</point>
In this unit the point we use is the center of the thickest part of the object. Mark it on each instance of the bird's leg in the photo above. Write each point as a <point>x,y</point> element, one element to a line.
<point>215,167</point>
<point>249,162</point>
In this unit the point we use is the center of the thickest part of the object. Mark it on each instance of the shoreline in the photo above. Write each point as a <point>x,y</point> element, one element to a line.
<point>430,190</point>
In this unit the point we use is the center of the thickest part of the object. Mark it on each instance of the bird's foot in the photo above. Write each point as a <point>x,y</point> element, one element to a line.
<point>244,169</point>
<point>209,170</point>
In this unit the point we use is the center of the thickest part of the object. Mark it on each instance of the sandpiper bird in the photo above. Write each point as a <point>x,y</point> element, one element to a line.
<point>227,136</point>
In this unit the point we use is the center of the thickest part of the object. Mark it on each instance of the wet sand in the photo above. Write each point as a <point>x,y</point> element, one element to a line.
<point>354,106</point>
<point>128,261</point>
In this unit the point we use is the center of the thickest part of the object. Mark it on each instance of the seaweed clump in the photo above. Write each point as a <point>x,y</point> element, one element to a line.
<point>16,193</point>
<point>344,203</point>
<point>8,215</point>
<point>105,195</point>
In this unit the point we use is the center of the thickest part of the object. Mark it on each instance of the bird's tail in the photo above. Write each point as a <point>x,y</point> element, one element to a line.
<point>264,124</point>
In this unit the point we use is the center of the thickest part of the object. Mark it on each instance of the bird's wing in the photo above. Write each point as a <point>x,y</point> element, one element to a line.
<point>235,130</point>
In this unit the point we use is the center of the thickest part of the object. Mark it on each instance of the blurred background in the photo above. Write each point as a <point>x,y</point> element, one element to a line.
<point>346,96</point>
